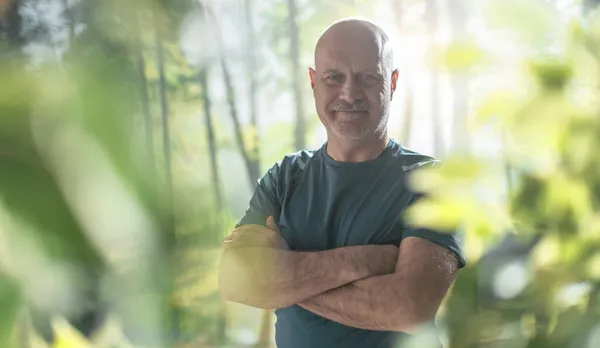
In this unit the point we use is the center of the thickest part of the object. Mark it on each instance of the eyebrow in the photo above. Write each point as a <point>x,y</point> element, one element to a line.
<point>335,71</point>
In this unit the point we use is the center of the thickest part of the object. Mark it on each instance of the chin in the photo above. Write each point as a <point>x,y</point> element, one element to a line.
<point>351,134</point>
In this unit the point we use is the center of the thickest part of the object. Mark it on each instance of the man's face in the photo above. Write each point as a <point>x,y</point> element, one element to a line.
<point>352,85</point>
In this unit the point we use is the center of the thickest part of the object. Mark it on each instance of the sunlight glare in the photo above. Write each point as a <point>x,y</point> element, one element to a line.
<point>511,279</point>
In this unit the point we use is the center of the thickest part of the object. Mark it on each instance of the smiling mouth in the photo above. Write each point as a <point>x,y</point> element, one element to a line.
<point>351,116</point>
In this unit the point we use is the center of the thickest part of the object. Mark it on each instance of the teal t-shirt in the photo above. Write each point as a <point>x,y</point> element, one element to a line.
<point>321,204</point>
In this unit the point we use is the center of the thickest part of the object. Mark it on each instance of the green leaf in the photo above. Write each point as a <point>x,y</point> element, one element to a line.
<point>462,55</point>
<point>552,74</point>
<point>10,302</point>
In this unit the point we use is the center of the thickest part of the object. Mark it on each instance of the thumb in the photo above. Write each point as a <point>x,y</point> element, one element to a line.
<point>271,224</point>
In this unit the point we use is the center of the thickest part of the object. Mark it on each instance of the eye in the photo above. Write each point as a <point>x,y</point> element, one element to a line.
<point>335,77</point>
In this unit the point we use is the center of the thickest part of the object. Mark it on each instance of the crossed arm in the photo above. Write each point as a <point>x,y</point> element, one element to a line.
<point>370,287</point>
<point>259,273</point>
<point>399,301</point>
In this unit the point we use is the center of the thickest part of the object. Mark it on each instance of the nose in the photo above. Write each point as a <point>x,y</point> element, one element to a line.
<point>351,91</point>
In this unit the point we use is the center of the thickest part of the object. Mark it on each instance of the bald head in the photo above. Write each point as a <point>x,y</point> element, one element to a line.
<point>353,80</point>
<point>359,33</point>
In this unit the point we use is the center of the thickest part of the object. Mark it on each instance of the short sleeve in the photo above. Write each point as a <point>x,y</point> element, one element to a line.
<point>449,239</point>
<point>264,201</point>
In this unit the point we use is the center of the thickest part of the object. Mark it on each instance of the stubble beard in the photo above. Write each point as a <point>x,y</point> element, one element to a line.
<point>346,131</point>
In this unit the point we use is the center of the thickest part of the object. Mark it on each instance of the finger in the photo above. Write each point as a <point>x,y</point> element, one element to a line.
<point>271,224</point>
<point>227,244</point>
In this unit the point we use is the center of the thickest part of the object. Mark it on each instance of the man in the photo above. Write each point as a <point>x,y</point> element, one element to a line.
<point>323,241</point>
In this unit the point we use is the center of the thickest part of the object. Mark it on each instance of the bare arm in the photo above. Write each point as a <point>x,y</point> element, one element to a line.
<point>266,277</point>
<point>395,302</point>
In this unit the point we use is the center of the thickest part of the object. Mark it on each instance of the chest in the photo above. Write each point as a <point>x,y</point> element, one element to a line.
<point>328,211</point>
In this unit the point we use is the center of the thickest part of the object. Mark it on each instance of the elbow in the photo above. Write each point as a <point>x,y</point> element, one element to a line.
<point>232,282</point>
<point>236,284</point>
<point>411,320</point>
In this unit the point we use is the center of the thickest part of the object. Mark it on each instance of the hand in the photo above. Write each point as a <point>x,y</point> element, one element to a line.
<point>256,236</point>
<point>281,243</point>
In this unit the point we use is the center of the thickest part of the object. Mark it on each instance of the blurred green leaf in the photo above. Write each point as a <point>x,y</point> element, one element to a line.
<point>532,22</point>
<point>10,302</point>
<point>592,267</point>
<point>501,104</point>
<point>552,74</point>
<point>462,56</point>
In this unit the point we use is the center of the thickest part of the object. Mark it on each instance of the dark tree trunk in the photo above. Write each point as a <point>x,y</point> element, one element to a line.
<point>145,100</point>
<point>11,24</point>
<point>212,144</point>
<point>164,106</point>
<point>216,185</point>
<point>69,18</point>
<point>250,167</point>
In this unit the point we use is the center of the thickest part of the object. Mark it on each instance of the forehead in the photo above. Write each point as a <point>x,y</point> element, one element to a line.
<point>349,59</point>
<point>350,49</point>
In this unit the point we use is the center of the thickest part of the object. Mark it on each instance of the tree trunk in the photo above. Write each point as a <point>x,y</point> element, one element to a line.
<point>170,241</point>
<point>250,167</point>
<point>212,144</point>
<point>164,113</point>
<point>12,23</point>
<point>460,82</point>
<point>145,100</point>
<point>300,131</point>
<point>68,14</point>
<point>216,185</point>
<point>251,47</point>
<point>251,163</point>
<point>431,14</point>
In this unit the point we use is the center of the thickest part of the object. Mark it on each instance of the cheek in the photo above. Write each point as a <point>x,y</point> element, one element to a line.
<point>323,98</point>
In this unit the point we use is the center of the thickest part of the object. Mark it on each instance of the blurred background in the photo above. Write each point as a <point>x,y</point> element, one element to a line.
<point>132,135</point>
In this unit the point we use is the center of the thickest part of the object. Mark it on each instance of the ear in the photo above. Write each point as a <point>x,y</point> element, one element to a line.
<point>395,74</point>
<point>313,77</point>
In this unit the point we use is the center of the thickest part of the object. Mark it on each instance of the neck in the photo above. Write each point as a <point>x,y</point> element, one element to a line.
<point>356,151</point>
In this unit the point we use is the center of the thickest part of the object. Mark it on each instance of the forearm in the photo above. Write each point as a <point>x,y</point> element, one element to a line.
<point>373,303</point>
<point>396,302</point>
<point>272,278</point>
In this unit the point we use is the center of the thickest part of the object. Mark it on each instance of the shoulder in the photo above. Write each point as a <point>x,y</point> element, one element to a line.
<point>293,162</point>
<point>297,160</point>
<point>411,160</point>
<point>287,167</point>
